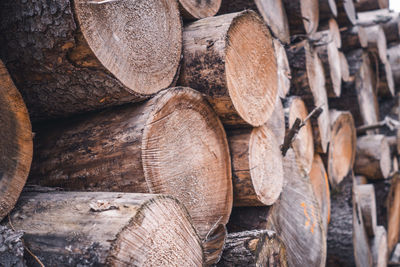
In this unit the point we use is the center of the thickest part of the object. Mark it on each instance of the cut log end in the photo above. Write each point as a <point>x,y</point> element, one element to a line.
<point>170,128</point>
<point>251,68</point>
<point>346,12</point>
<point>143,56</point>
<point>310,13</point>
<point>367,203</point>
<point>379,247</point>
<point>15,143</point>
<point>195,9</point>
<point>284,73</point>
<point>344,67</point>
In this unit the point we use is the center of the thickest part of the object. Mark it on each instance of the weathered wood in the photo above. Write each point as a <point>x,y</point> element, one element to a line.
<point>272,11</point>
<point>373,157</point>
<point>389,20</point>
<point>15,143</point>
<point>254,248</point>
<point>214,244</point>
<point>303,16</point>
<point>73,56</point>
<point>296,214</point>
<point>284,72</point>
<point>106,229</point>
<point>379,247</point>
<point>173,144</point>
<point>367,204</point>
<point>354,38</point>
<point>347,240</point>
<point>365,5</point>
<point>308,81</point>
<point>346,13</point>
<point>327,9</point>
<point>198,9</point>
<point>342,148</point>
<point>303,144</point>
<point>393,213</point>
<point>394,59</point>
<point>320,184</point>
<point>377,41</point>
<point>257,170</point>
<point>239,75</point>
<point>344,67</point>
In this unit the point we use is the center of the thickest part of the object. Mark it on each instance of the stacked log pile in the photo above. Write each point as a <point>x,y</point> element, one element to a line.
<point>199,133</point>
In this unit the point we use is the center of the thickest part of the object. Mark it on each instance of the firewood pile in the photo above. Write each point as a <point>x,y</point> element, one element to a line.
<point>199,133</point>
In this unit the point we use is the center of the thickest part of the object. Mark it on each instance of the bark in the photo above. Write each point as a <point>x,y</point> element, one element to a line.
<point>106,229</point>
<point>11,247</point>
<point>393,215</point>
<point>296,214</point>
<point>15,143</point>
<point>173,144</point>
<point>354,38</point>
<point>238,75</point>
<point>308,82</point>
<point>320,184</point>
<point>366,5</point>
<point>373,157</point>
<point>342,148</point>
<point>214,244</point>
<point>390,22</point>
<point>284,72</point>
<point>346,13</point>
<point>303,143</point>
<point>377,41</point>
<point>257,171</point>
<point>327,9</point>
<point>248,218</point>
<point>195,9</point>
<point>71,57</point>
<point>379,247</point>
<point>368,208</point>
<point>254,248</point>
<point>347,240</point>
<point>303,16</point>
<point>394,59</point>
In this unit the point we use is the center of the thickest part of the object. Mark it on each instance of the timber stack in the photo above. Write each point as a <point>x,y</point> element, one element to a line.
<point>199,133</point>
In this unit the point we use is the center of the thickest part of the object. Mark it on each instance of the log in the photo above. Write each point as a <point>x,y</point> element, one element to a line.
<point>276,123</point>
<point>347,15</point>
<point>354,38</point>
<point>395,258</point>
<point>238,75</point>
<point>195,9</point>
<point>393,213</point>
<point>347,239</point>
<point>254,248</point>
<point>71,57</point>
<point>384,78</point>
<point>320,184</point>
<point>379,247</point>
<point>308,81</point>
<point>303,144</point>
<point>303,16</point>
<point>366,5</point>
<point>284,72</point>
<point>373,157</point>
<point>327,9</point>
<point>256,166</point>
<point>344,67</point>
<point>214,244</point>
<point>330,58</point>
<point>296,214</point>
<point>377,41</point>
<point>394,60</point>
<point>342,148</point>
<point>15,143</point>
<point>11,247</point>
<point>97,228</point>
<point>272,11</point>
<point>367,204</point>
<point>389,20</point>
<point>332,27</point>
<point>173,144</point>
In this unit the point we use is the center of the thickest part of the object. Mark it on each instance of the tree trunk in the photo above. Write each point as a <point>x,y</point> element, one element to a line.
<point>342,148</point>
<point>254,248</point>
<point>379,247</point>
<point>327,9</point>
<point>15,143</point>
<point>320,184</point>
<point>347,239</point>
<point>73,56</point>
<point>239,75</point>
<point>354,38</point>
<point>284,72</point>
<point>344,67</point>
<point>106,229</point>
<point>198,9</point>
<point>214,244</point>
<point>366,5</point>
<point>394,59</point>
<point>297,220</point>
<point>373,157</point>
<point>377,41</point>
<point>367,204</point>
<point>256,166</point>
<point>393,215</point>
<point>272,11</point>
<point>346,13</point>
<point>303,143</point>
<point>173,144</point>
<point>390,22</point>
<point>303,16</point>
<point>308,81</point>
